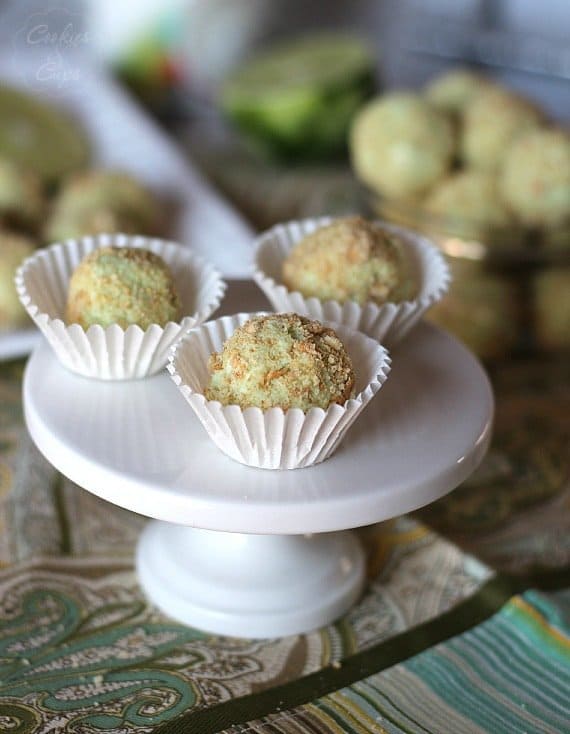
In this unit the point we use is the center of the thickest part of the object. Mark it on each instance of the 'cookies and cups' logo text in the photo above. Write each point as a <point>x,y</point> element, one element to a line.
<point>48,50</point>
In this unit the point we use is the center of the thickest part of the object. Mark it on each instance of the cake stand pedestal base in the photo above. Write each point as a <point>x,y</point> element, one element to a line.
<point>250,585</point>
<point>250,571</point>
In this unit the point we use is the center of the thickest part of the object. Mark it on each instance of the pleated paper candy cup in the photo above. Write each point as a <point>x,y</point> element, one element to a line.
<point>114,353</point>
<point>274,438</point>
<point>387,323</point>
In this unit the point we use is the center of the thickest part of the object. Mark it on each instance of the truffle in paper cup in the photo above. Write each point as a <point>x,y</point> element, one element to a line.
<point>389,322</point>
<point>114,353</point>
<point>274,438</point>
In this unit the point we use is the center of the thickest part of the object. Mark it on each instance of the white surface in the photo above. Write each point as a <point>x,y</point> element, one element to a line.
<point>15,344</point>
<point>250,585</point>
<point>273,439</point>
<point>114,353</point>
<point>123,136</point>
<point>116,27</point>
<point>139,445</point>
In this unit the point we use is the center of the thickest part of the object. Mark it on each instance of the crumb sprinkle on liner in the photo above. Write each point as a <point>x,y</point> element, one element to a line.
<point>273,438</point>
<point>114,353</point>
<point>388,323</point>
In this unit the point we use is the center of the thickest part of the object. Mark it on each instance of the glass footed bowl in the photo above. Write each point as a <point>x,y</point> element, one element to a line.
<point>510,292</point>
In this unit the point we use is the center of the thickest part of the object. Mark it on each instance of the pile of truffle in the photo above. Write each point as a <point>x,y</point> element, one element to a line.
<point>87,203</point>
<point>467,150</point>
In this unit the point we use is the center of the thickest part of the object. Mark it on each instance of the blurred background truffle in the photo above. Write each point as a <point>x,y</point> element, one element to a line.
<point>452,91</point>
<point>491,121</point>
<point>14,248</point>
<point>102,201</point>
<point>22,200</point>
<point>401,145</point>
<point>535,177</point>
<point>469,200</point>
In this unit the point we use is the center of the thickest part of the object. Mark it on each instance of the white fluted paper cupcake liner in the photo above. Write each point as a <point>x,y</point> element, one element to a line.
<point>114,353</point>
<point>274,438</point>
<point>388,323</point>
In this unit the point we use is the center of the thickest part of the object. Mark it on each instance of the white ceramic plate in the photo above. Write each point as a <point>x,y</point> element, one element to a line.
<point>139,445</point>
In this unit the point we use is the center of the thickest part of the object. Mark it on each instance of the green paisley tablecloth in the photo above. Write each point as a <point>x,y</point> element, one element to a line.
<point>449,637</point>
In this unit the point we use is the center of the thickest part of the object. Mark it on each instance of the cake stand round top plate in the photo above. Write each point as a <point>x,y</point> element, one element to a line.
<point>138,444</point>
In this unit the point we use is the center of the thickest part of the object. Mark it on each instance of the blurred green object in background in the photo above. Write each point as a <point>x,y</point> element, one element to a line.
<point>40,137</point>
<point>295,100</point>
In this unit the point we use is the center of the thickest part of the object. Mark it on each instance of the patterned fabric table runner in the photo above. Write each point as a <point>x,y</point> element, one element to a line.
<point>508,674</point>
<point>82,651</point>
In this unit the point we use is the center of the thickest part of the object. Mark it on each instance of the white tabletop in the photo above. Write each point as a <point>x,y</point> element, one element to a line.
<point>138,444</point>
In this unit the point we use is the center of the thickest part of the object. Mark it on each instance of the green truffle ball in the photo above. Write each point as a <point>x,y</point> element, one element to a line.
<point>551,290</point>
<point>102,201</point>
<point>100,220</point>
<point>470,204</point>
<point>492,120</point>
<point>453,90</point>
<point>349,259</point>
<point>13,250</point>
<point>281,360</point>
<point>535,178</point>
<point>21,197</point>
<point>401,145</point>
<point>124,286</point>
<point>481,309</point>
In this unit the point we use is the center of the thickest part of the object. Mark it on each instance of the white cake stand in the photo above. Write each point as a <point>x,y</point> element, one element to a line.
<point>229,551</point>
